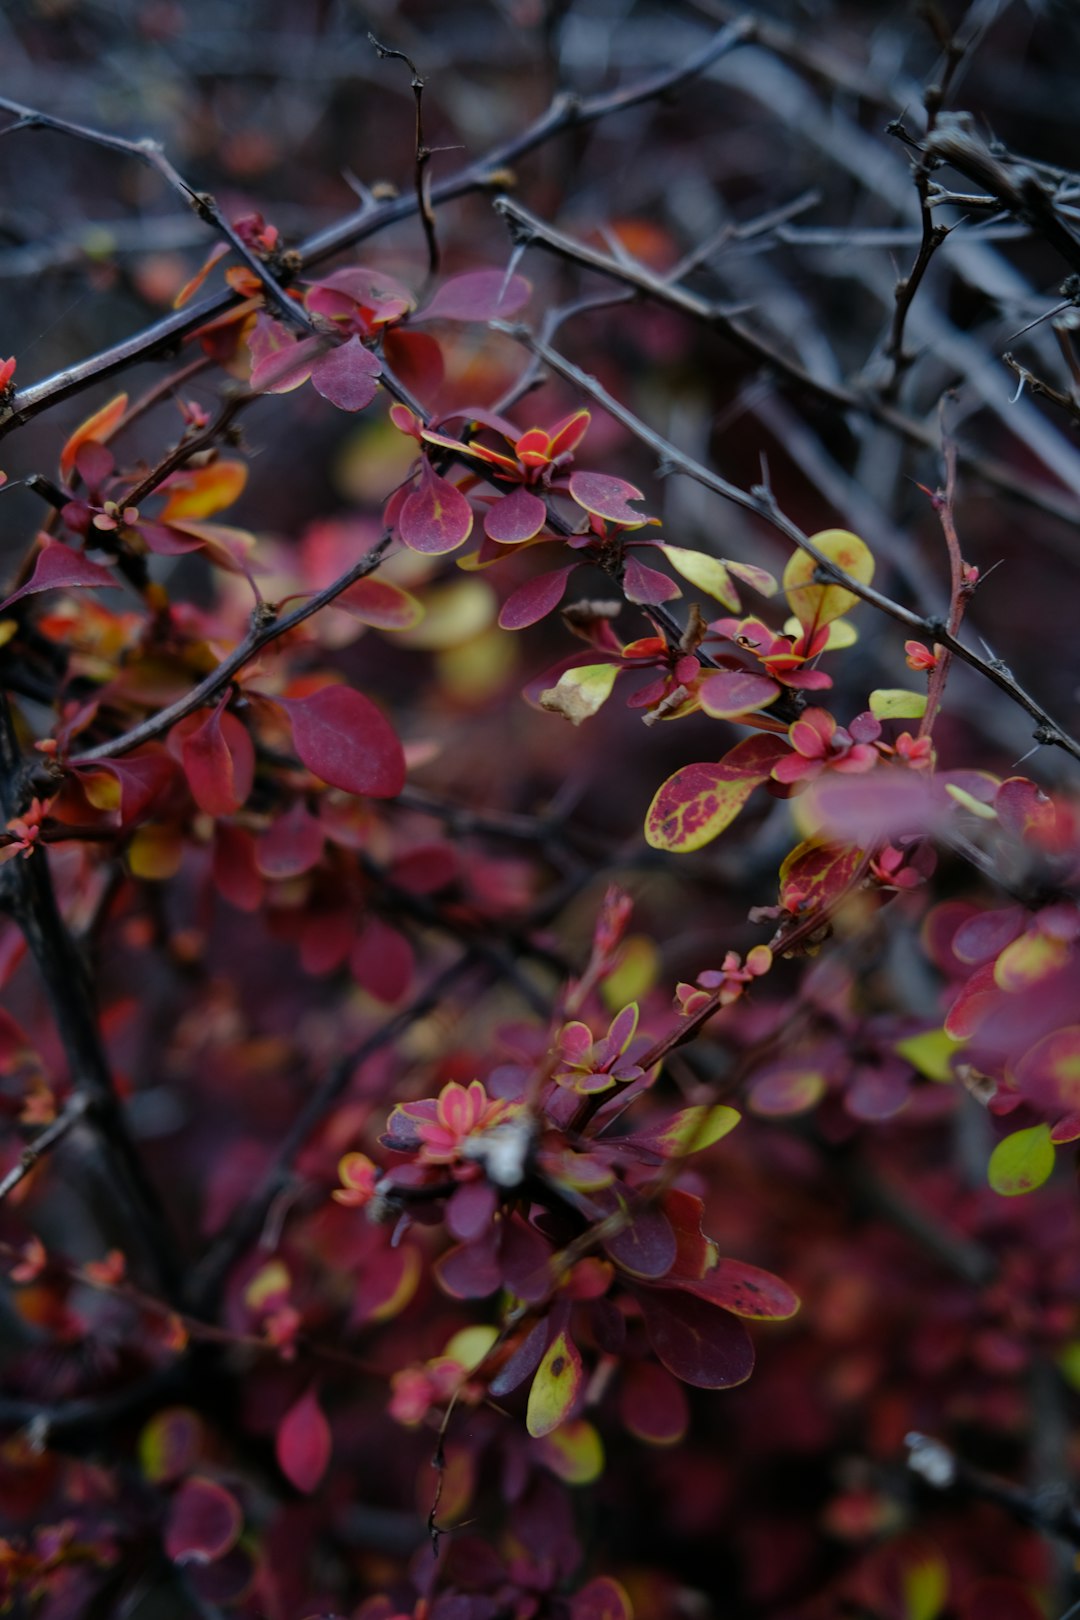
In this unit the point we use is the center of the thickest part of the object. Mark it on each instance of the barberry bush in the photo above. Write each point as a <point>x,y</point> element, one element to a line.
<point>540,854</point>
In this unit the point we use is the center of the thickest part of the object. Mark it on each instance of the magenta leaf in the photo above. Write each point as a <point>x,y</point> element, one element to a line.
<point>470,1209</point>
<point>602,1599</point>
<point>472,1270</point>
<point>517,517</point>
<point>608,498</point>
<point>203,1523</point>
<point>346,376</point>
<point>480,295</point>
<point>59,568</point>
<point>279,362</point>
<point>697,1341</point>
<point>343,738</point>
<point>535,599</point>
<point>436,517</point>
<point>292,846</point>
<point>303,1443</point>
<point>647,585</point>
<point>646,1246</point>
<point>382,961</point>
<point>523,1360</point>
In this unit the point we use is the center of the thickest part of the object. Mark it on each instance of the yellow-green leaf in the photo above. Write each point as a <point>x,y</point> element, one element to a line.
<point>842,633</point>
<point>968,801</point>
<point>695,1128</point>
<point>930,1053</point>
<point>580,693</point>
<point>695,804</point>
<point>1022,1162</point>
<point>575,1452</point>
<point>707,573</point>
<point>814,604</point>
<point>895,703</point>
<point>469,1346</point>
<point>555,1387</point>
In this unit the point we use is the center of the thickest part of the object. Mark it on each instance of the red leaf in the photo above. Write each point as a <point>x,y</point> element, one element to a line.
<point>732,692</point>
<point>219,762</point>
<point>516,517</point>
<point>647,585</point>
<point>236,876</point>
<point>426,870</point>
<point>697,1341</point>
<point>303,1443</point>
<point>480,295</point>
<point>417,360</point>
<point>59,568</point>
<point>344,739</point>
<point>535,599</point>
<point>204,1521</point>
<point>744,1290</point>
<point>607,497</point>
<point>436,517</point>
<point>380,603</point>
<point>346,376</point>
<point>325,939</point>
<point>143,779</point>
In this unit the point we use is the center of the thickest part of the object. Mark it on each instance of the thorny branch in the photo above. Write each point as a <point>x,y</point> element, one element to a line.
<point>762,503</point>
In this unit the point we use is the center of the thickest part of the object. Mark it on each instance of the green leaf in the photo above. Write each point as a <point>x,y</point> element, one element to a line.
<point>894,703</point>
<point>1022,1162</point>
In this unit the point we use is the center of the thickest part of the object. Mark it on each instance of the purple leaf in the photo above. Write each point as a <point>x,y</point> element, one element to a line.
<point>60,568</point>
<point>698,1342</point>
<point>523,1361</point>
<point>436,517</point>
<point>346,376</point>
<point>647,585</point>
<point>607,497</point>
<point>535,599</point>
<point>646,1247</point>
<point>204,1521</point>
<point>517,517</point>
<point>480,295</point>
<point>470,1209</point>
